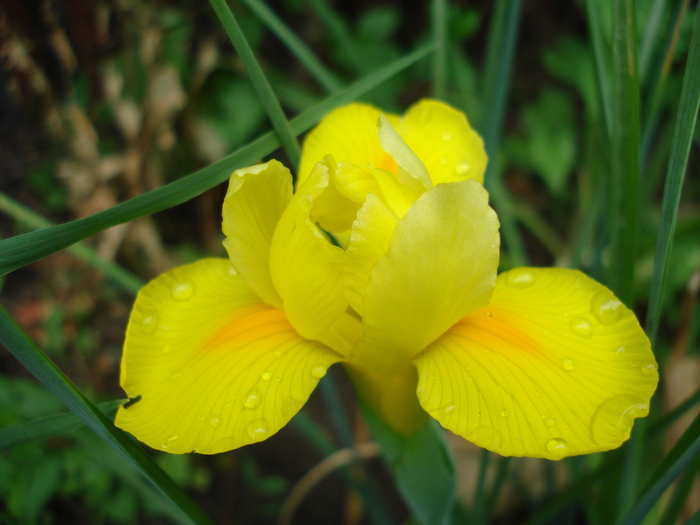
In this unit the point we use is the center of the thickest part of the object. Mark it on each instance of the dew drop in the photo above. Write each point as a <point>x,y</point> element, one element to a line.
<point>266,376</point>
<point>215,422</point>
<point>486,436</point>
<point>620,350</point>
<point>182,291</point>
<point>489,314</point>
<point>257,430</point>
<point>463,168</point>
<point>567,363</point>
<point>167,348</point>
<point>549,422</point>
<point>149,323</point>
<point>557,446</point>
<point>445,161</point>
<point>318,371</point>
<point>612,422</point>
<point>606,307</point>
<point>446,137</point>
<point>232,271</point>
<point>172,438</point>
<point>520,278</point>
<point>252,400</point>
<point>649,369</point>
<point>504,413</point>
<point>582,327</point>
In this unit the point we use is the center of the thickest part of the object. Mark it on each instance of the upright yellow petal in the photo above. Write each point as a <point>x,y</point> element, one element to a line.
<point>443,139</point>
<point>215,367</point>
<point>555,366</point>
<point>306,268</point>
<point>349,133</point>
<point>256,198</point>
<point>411,170</point>
<point>440,266</point>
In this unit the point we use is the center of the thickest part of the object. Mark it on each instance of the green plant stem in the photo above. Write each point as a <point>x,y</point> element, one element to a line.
<point>601,62</point>
<point>297,47</point>
<point>260,83</point>
<point>624,184</point>
<point>28,218</point>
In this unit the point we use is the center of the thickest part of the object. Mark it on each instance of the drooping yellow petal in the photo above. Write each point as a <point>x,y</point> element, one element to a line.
<point>554,366</point>
<point>349,133</point>
<point>215,367</point>
<point>444,141</point>
<point>306,268</point>
<point>256,198</point>
<point>440,266</point>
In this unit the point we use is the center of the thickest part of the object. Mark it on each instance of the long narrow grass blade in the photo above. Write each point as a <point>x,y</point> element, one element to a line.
<point>24,249</point>
<point>650,37</point>
<point>624,190</point>
<point>32,357</point>
<point>49,426</point>
<point>439,16</point>
<point>30,219</point>
<point>300,50</point>
<point>259,80</point>
<point>498,70</point>
<point>683,454</point>
<point>677,163</point>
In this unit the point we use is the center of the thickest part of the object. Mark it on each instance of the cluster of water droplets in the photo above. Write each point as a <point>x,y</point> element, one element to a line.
<point>463,167</point>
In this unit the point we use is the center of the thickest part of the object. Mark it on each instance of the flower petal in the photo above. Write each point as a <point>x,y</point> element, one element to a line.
<point>440,266</point>
<point>256,198</point>
<point>215,367</point>
<point>349,133</point>
<point>555,366</point>
<point>443,139</point>
<point>306,268</point>
<point>410,169</point>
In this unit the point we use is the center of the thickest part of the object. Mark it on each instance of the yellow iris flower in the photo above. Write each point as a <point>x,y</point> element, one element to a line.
<point>384,259</point>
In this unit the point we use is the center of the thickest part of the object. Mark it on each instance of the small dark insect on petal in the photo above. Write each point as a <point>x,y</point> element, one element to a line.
<point>131,401</point>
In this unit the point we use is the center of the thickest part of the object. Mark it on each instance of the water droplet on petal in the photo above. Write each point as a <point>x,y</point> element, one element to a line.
<point>445,161</point>
<point>557,447</point>
<point>486,436</point>
<point>447,409</point>
<point>489,314</point>
<point>318,371</point>
<point>520,278</point>
<point>167,348</point>
<point>463,168</point>
<point>612,421</point>
<point>182,291</point>
<point>257,430</point>
<point>266,376</point>
<point>582,327</point>
<point>446,137</point>
<point>252,400</point>
<point>172,438</point>
<point>649,369</point>
<point>567,363</point>
<point>215,422</point>
<point>504,413</point>
<point>149,323</point>
<point>620,350</point>
<point>549,422</point>
<point>606,307</point>
<point>232,271</point>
